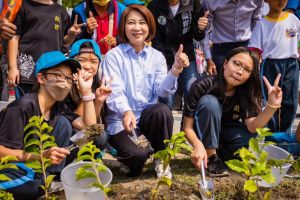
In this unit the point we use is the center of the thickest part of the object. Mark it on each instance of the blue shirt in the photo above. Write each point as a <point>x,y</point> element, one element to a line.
<point>230,21</point>
<point>138,80</point>
<point>295,6</point>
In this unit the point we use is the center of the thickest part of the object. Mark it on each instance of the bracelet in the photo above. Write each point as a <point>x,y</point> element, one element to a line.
<point>176,70</point>
<point>272,106</point>
<point>89,97</point>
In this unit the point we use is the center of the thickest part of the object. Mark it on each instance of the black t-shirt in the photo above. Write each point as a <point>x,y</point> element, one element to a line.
<point>14,118</point>
<point>41,28</point>
<point>232,111</point>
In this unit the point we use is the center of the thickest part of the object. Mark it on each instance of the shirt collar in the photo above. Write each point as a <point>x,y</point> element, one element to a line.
<point>128,48</point>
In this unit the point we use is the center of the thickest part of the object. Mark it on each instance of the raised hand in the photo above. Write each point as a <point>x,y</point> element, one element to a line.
<point>202,21</point>
<point>85,81</point>
<point>274,92</point>
<point>103,91</point>
<point>181,59</point>
<point>91,23</point>
<point>109,40</point>
<point>7,29</point>
<point>75,28</point>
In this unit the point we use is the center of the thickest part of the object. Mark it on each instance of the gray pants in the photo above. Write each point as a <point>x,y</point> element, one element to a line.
<point>226,137</point>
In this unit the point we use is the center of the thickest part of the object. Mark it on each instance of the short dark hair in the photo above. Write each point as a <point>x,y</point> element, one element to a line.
<point>146,14</point>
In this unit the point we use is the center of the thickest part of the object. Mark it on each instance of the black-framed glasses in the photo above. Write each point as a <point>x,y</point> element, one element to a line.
<point>60,77</point>
<point>238,65</point>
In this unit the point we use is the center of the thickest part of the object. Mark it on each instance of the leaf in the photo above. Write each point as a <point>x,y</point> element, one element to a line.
<point>3,177</point>
<point>267,195</point>
<point>259,168</point>
<point>43,187</point>
<point>33,150</point>
<point>81,173</point>
<point>253,144</point>
<point>85,158</point>
<point>269,178</point>
<point>31,125</point>
<point>46,137</point>
<point>250,186</point>
<point>7,159</point>
<point>34,164</point>
<point>166,181</point>
<point>97,185</point>
<point>185,147</point>
<point>32,141</point>
<point>84,150</point>
<point>238,166</point>
<point>8,166</point>
<point>49,144</point>
<point>246,155</point>
<point>263,132</point>
<point>49,180</point>
<point>46,128</point>
<point>101,168</point>
<point>31,133</point>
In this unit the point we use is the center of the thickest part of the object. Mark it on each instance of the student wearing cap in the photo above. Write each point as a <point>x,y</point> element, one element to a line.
<point>54,79</point>
<point>87,53</point>
<point>102,19</point>
<point>130,2</point>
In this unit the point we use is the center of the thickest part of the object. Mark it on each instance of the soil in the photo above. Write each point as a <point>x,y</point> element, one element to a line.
<point>185,185</point>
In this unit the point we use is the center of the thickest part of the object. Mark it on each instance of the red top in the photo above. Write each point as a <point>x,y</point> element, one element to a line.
<point>102,29</point>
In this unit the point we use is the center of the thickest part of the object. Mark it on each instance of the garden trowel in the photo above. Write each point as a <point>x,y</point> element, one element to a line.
<point>206,187</point>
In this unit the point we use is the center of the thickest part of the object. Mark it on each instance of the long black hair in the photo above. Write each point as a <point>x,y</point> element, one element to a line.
<point>250,91</point>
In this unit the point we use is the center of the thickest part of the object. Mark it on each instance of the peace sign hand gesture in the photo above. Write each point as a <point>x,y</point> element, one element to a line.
<point>103,91</point>
<point>274,92</point>
<point>75,28</point>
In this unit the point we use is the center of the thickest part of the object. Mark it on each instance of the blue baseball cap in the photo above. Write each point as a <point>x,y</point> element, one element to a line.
<point>51,59</point>
<point>76,48</point>
<point>129,2</point>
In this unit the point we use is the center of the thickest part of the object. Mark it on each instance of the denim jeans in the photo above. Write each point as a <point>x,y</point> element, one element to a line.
<point>183,79</point>
<point>226,137</point>
<point>289,70</point>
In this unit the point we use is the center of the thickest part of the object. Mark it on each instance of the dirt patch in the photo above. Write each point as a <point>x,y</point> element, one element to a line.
<point>185,185</point>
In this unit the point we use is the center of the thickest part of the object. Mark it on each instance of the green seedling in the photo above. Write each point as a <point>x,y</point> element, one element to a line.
<point>37,141</point>
<point>5,163</point>
<point>177,143</point>
<point>89,152</point>
<point>255,165</point>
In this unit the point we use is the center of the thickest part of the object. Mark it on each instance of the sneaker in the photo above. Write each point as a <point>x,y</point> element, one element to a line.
<point>216,167</point>
<point>159,169</point>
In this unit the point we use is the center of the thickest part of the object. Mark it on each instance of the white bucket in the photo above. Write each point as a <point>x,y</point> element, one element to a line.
<point>276,153</point>
<point>81,190</point>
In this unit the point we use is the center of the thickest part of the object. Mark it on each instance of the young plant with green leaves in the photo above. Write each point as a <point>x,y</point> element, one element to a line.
<point>89,152</point>
<point>255,165</point>
<point>6,163</point>
<point>176,144</point>
<point>37,141</point>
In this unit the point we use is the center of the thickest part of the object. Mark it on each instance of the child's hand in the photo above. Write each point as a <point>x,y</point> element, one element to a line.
<point>103,91</point>
<point>274,92</point>
<point>75,28</point>
<point>7,29</point>
<point>198,154</point>
<point>202,21</point>
<point>91,23</point>
<point>85,81</point>
<point>13,77</point>
<point>109,40</point>
<point>56,154</point>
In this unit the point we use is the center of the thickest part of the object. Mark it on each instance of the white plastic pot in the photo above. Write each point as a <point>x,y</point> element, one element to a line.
<point>276,153</point>
<point>81,190</point>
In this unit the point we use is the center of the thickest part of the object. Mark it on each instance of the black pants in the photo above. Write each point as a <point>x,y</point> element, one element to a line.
<point>156,123</point>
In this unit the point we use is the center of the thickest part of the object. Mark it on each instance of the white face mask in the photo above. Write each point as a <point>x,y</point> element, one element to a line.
<point>57,89</point>
<point>101,2</point>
